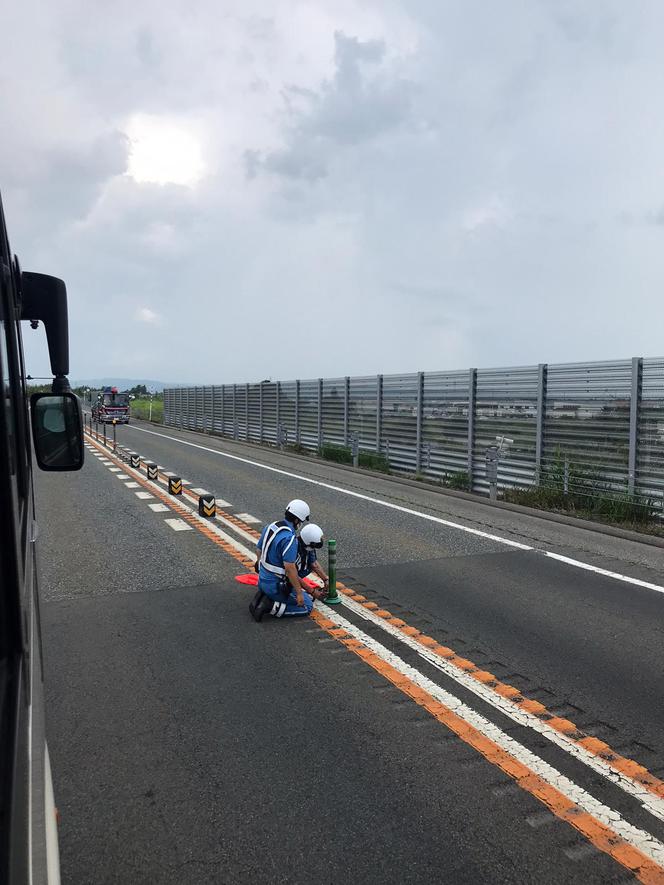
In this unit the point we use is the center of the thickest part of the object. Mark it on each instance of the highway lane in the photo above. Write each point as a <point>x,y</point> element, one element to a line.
<point>587,644</point>
<point>163,684</point>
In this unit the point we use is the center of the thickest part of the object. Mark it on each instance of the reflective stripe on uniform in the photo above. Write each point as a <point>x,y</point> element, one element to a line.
<point>272,531</point>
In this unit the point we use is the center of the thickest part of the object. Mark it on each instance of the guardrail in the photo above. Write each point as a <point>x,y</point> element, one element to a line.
<point>585,425</point>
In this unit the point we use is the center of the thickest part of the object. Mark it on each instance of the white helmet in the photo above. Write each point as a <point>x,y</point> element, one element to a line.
<point>312,535</point>
<point>298,509</point>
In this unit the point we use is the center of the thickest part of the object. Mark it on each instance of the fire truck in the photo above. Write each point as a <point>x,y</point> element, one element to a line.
<point>111,406</point>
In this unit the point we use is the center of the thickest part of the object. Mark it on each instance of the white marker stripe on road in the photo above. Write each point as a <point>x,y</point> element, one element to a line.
<point>179,525</point>
<point>132,485</point>
<point>121,476</point>
<point>652,803</point>
<point>248,518</point>
<point>169,473</point>
<point>391,506</point>
<point>143,495</point>
<point>114,469</point>
<point>200,491</point>
<point>159,508</point>
<point>640,839</point>
<point>649,801</point>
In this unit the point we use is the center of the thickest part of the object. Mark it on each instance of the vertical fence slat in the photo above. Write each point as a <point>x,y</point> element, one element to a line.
<point>472,394</point>
<point>634,408</point>
<point>418,422</point>
<point>541,412</point>
<point>379,413</point>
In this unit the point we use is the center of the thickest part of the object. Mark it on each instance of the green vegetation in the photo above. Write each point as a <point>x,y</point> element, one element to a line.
<point>569,487</point>
<point>140,408</point>
<point>374,461</point>
<point>459,481</point>
<point>344,455</point>
<point>340,454</point>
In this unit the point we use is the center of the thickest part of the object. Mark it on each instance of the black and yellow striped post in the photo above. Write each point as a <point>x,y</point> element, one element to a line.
<point>207,505</point>
<point>174,485</point>
<point>135,461</point>
<point>151,469</point>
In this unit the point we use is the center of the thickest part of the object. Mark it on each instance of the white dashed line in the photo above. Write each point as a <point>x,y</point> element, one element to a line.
<point>159,508</point>
<point>170,473</point>
<point>114,469</point>
<point>200,491</point>
<point>132,485</point>
<point>248,518</point>
<point>178,525</point>
<point>122,476</point>
<point>143,495</point>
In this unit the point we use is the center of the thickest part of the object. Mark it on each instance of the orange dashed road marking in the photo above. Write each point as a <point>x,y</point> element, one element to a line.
<point>603,837</point>
<point>622,764</point>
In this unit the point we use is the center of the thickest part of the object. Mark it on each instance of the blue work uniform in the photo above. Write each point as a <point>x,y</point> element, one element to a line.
<point>306,559</point>
<point>278,544</point>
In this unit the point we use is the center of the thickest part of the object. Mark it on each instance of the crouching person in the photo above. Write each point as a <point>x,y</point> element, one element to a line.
<point>280,591</point>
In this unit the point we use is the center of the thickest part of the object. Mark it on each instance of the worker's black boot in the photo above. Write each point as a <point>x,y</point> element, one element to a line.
<point>260,605</point>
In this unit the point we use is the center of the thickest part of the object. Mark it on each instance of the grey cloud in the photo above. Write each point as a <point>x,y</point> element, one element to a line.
<point>360,103</point>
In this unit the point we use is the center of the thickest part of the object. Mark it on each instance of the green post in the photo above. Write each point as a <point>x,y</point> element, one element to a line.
<point>332,597</point>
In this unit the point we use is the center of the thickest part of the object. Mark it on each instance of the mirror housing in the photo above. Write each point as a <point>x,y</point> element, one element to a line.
<point>45,298</point>
<point>57,430</point>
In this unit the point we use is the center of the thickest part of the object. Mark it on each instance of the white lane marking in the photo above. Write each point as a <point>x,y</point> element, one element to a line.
<point>114,469</point>
<point>185,482</point>
<point>159,508</point>
<point>132,485</point>
<point>602,571</point>
<point>159,467</point>
<point>639,839</point>
<point>179,525</point>
<point>143,495</point>
<point>200,491</point>
<point>649,801</point>
<point>248,518</point>
<point>121,476</point>
<point>652,803</point>
<point>221,503</point>
<point>446,522</point>
<point>169,473</point>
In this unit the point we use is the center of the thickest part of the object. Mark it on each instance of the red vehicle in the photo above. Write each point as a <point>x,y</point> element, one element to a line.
<point>111,406</point>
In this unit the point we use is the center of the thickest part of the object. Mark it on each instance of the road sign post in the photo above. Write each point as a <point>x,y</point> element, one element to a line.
<point>355,448</point>
<point>115,442</point>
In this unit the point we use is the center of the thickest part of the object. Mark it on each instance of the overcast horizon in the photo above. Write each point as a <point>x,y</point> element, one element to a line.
<point>251,190</point>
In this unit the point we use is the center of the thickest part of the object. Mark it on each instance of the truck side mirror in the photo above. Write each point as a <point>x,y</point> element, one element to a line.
<point>57,430</point>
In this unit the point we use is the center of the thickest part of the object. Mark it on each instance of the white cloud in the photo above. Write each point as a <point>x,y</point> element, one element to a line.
<point>145,315</point>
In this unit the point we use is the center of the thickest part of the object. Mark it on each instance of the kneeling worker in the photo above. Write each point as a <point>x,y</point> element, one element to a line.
<point>280,591</point>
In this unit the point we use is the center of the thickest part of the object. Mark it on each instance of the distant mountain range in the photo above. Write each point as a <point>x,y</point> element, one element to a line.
<point>124,383</point>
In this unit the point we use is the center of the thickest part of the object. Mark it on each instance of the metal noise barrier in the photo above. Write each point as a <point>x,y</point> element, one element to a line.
<point>135,461</point>
<point>174,485</point>
<point>151,469</point>
<point>604,420</point>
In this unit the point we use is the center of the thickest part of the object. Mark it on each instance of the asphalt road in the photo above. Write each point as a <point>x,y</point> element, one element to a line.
<point>190,744</point>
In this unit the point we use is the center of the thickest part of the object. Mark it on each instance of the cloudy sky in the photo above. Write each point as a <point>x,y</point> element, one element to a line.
<point>242,190</point>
